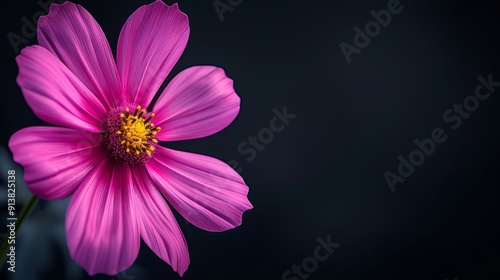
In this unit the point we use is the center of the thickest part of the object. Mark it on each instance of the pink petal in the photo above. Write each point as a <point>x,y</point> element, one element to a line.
<point>159,229</point>
<point>198,102</point>
<point>55,160</point>
<point>73,35</point>
<point>101,227</point>
<point>55,94</point>
<point>204,190</point>
<point>150,44</point>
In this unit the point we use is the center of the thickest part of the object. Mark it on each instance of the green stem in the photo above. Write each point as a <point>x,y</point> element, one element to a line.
<point>24,213</point>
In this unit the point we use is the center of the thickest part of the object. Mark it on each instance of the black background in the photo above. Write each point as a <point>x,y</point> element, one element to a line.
<point>323,174</point>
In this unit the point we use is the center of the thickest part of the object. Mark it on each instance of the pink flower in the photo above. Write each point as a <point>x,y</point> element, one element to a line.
<point>105,151</point>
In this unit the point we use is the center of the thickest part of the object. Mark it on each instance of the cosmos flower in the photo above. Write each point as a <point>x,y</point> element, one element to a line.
<point>104,147</point>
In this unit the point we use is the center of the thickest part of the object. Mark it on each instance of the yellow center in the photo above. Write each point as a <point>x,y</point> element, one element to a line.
<point>136,132</point>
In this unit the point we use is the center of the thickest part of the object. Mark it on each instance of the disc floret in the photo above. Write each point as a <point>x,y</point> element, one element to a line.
<point>131,136</point>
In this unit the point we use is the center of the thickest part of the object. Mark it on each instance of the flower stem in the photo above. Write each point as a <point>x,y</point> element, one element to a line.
<point>24,213</point>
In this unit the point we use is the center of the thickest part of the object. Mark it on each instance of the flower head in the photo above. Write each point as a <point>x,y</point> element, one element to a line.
<point>104,148</point>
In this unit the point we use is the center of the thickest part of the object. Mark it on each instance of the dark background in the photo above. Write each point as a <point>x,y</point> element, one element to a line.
<point>323,175</point>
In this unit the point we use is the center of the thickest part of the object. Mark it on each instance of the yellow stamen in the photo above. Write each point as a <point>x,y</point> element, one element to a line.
<point>137,133</point>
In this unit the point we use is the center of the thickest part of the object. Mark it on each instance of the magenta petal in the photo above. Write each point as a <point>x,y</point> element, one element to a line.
<point>206,191</point>
<point>198,102</point>
<point>150,43</point>
<point>101,226</point>
<point>159,229</point>
<point>55,160</point>
<point>55,94</point>
<point>73,35</point>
